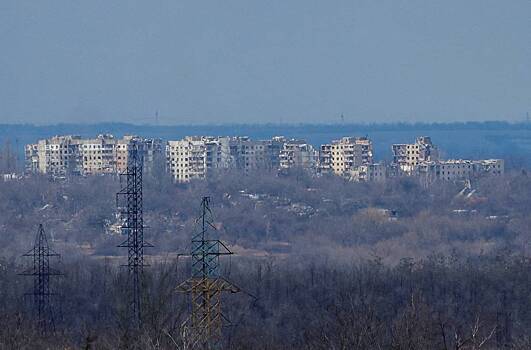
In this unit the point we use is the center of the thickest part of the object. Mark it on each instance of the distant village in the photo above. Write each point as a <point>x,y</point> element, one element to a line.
<point>196,157</point>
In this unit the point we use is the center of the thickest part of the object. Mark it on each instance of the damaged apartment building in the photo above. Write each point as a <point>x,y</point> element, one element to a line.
<point>422,159</point>
<point>74,155</point>
<point>298,154</point>
<point>407,156</point>
<point>194,157</point>
<point>352,158</point>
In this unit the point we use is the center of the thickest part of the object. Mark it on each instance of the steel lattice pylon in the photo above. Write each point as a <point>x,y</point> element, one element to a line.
<point>41,272</point>
<point>203,328</point>
<point>129,203</point>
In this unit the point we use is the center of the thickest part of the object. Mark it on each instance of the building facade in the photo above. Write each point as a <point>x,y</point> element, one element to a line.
<point>186,159</point>
<point>345,155</point>
<point>194,157</point>
<point>58,156</point>
<point>459,169</point>
<point>98,155</point>
<point>408,156</point>
<point>422,159</point>
<point>375,172</point>
<point>73,155</point>
<point>297,154</point>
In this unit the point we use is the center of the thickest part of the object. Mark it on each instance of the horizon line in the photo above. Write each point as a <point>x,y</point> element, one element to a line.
<point>286,124</point>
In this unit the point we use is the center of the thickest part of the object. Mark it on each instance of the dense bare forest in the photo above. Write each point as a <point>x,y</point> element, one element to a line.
<point>323,263</point>
<point>436,303</point>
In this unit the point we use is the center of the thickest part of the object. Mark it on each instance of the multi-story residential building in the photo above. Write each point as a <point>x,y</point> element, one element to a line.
<point>325,159</point>
<point>152,152</point>
<point>454,169</point>
<point>121,154</point>
<point>275,145</point>
<point>491,166</point>
<point>459,169</point>
<point>73,155</point>
<point>32,158</point>
<point>98,155</point>
<point>344,155</point>
<point>216,152</point>
<point>422,159</point>
<point>297,154</point>
<point>371,172</point>
<point>57,155</point>
<point>251,155</point>
<point>366,150</point>
<point>195,157</point>
<point>444,170</point>
<point>186,159</point>
<point>408,156</point>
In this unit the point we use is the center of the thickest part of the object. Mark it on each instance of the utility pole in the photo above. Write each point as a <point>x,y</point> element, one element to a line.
<point>41,272</point>
<point>203,328</point>
<point>129,203</point>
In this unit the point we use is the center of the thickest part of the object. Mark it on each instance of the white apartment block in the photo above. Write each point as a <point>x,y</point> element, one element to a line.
<point>491,166</point>
<point>460,169</point>
<point>250,155</point>
<point>376,172</point>
<point>31,153</point>
<point>186,159</point>
<point>98,155</point>
<point>57,155</point>
<point>73,155</point>
<point>408,156</point>
<point>344,155</point>
<point>297,154</point>
<point>422,159</point>
<point>194,157</point>
<point>152,151</point>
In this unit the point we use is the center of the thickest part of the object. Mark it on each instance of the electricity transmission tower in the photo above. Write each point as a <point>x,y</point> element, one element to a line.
<point>41,272</point>
<point>203,328</point>
<point>129,203</point>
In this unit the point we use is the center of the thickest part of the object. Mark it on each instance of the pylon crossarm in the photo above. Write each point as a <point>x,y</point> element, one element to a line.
<point>229,286</point>
<point>184,287</point>
<point>227,250</point>
<point>30,252</point>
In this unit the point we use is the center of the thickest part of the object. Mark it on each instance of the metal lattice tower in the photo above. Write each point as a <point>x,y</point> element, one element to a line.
<point>41,272</point>
<point>129,203</point>
<point>203,328</point>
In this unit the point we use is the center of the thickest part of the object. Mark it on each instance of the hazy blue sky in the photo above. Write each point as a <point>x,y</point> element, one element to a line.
<point>264,61</point>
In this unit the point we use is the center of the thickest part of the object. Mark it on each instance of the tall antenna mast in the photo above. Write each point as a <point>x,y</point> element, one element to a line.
<point>129,203</point>
<point>41,272</point>
<point>203,328</point>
